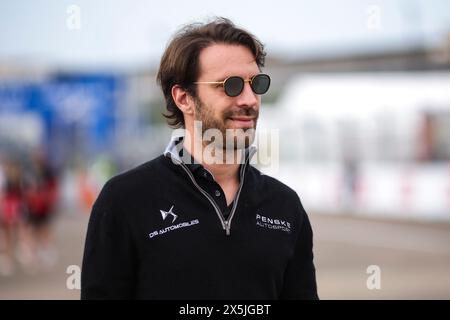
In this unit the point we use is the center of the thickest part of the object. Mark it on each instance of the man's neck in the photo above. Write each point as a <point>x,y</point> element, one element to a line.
<point>224,171</point>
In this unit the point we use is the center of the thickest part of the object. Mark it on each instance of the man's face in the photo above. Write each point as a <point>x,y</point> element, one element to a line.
<point>213,107</point>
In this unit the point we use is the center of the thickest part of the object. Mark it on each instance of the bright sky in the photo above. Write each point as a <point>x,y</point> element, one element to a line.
<point>123,33</point>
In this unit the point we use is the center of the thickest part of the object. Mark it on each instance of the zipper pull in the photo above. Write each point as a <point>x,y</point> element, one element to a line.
<point>227,227</point>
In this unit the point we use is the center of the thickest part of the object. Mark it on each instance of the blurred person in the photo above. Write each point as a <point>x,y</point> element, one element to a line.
<point>350,186</point>
<point>2,174</point>
<point>184,227</point>
<point>92,179</point>
<point>103,169</point>
<point>41,198</point>
<point>87,189</point>
<point>11,212</point>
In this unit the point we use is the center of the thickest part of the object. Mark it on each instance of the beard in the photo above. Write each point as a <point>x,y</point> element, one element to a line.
<point>231,138</point>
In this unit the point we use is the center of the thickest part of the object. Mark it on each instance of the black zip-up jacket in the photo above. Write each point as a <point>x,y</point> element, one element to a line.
<point>160,231</point>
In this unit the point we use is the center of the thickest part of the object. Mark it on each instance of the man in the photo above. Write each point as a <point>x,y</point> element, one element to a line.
<point>189,225</point>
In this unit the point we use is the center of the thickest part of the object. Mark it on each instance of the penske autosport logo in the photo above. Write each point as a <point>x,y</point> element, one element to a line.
<point>274,224</point>
<point>164,215</point>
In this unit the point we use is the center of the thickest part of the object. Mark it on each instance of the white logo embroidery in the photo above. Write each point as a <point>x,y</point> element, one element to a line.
<point>166,213</point>
<point>274,224</point>
<point>172,227</point>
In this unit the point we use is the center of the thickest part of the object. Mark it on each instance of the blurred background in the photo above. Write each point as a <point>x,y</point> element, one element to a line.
<point>360,97</point>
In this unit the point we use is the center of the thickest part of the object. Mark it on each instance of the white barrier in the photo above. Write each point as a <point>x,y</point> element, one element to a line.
<point>416,192</point>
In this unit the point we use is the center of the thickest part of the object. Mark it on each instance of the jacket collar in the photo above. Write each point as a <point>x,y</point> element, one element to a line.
<point>174,150</point>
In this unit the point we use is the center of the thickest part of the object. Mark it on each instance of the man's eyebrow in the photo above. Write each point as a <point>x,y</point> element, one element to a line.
<point>221,77</point>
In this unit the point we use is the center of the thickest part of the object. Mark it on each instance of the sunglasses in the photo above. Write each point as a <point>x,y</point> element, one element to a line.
<point>234,85</point>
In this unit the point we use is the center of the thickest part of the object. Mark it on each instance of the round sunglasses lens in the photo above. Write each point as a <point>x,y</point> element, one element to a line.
<point>233,86</point>
<point>261,83</point>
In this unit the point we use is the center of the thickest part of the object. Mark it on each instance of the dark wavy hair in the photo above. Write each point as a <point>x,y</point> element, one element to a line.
<point>180,61</point>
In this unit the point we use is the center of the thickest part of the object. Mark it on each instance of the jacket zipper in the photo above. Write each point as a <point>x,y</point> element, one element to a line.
<point>237,196</point>
<point>226,224</point>
<point>217,209</point>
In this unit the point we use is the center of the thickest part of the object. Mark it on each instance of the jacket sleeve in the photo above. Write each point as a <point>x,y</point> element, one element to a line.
<point>108,270</point>
<point>300,274</point>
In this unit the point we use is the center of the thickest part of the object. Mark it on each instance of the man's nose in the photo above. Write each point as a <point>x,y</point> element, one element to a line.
<point>247,97</point>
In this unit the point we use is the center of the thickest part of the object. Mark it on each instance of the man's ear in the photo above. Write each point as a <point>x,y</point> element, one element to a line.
<point>183,100</point>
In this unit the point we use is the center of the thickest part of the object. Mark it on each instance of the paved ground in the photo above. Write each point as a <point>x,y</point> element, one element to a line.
<point>414,260</point>
<point>70,232</point>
